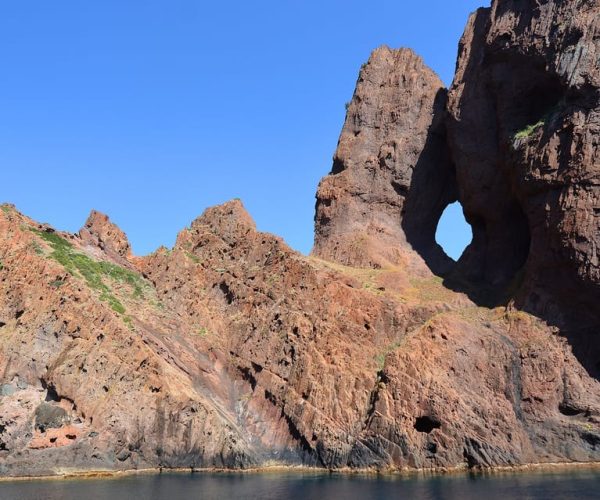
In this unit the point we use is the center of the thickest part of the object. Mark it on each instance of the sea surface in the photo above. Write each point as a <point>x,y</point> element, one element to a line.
<point>306,486</point>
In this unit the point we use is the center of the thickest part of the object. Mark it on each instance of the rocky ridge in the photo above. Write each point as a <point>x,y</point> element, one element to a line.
<point>378,351</point>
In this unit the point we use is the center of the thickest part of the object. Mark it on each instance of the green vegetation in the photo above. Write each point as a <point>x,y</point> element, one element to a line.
<point>529,129</point>
<point>113,302</point>
<point>202,332</point>
<point>37,248</point>
<point>129,322</point>
<point>380,358</point>
<point>57,283</point>
<point>5,209</point>
<point>193,257</point>
<point>588,427</point>
<point>273,279</point>
<point>1,265</point>
<point>551,112</point>
<point>92,271</point>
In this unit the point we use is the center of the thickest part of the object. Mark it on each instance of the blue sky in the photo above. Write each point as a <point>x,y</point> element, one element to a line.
<point>152,111</point>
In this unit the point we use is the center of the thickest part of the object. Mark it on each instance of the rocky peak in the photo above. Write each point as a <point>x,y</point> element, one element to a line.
<point>372,204</point>
<point>515,140</point>
<point>98,231</point>
<point>229,221</point>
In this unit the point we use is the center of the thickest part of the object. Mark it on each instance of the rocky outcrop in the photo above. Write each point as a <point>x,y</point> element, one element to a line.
<point>521,127</point>
<point>99,232</point>
<point>524,126</point>
<point>232,350</point>
<point>392,146</point>
<point>90,378</point>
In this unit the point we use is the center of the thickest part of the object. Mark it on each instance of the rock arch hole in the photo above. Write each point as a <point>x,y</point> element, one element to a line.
<point>453,232</point>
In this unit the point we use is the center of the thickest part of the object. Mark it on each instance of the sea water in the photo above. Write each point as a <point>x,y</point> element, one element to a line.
<point>562,484</point>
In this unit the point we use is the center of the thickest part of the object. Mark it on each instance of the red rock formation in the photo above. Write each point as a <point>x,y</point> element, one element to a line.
<point>232,350</point>
<point>524,127</point>
<point>98,231</point>
<point>393,132</point>
<point>235,351</point>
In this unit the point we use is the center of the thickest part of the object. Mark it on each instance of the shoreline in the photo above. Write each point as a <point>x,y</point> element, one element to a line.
<point>301,469</point>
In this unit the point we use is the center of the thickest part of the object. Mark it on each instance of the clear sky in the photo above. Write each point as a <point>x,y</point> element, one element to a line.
<point>152,111</point>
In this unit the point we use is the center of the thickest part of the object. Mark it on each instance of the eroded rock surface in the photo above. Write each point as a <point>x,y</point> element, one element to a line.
<point>370,203</point>
<point>232,350</point>
<point>99,232</point>
<point>523,128</point>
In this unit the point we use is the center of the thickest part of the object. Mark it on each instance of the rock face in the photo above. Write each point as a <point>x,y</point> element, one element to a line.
<point>515,141</point>
<point>232,350</point>
<point>391,146</point>
<point>99,232</point>
<point>524,129</point>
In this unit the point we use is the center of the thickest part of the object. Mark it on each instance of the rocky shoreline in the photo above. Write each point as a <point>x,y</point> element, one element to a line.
<point>300,469</point>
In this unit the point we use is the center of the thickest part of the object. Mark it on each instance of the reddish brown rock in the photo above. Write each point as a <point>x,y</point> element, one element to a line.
<point>232,350</point>
<point>523,129</point>
<point>98,231</point>
<point>55,438</point>
<point>236,351</point>
<point>392,146</point>
<point>92,341</point>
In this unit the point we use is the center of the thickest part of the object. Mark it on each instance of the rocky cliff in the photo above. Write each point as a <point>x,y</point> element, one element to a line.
<point>378,351</point>
<point>524,127</point>
<point>391,147</point>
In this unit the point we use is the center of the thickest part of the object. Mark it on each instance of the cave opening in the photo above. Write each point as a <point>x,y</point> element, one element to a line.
<point>453,232</point>
<point>427,424</point>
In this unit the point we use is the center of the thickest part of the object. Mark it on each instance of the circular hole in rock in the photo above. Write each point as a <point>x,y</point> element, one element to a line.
<point>453,232</point>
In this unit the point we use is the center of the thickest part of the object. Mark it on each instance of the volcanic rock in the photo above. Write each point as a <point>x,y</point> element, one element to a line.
<point>524,123</point>
<point>232,350</point>
<point>98,231</point>
<point>391,147</point>
<point>377,352</point>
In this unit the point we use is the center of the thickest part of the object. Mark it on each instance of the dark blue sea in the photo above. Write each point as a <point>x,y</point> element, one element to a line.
<point>305,486</point>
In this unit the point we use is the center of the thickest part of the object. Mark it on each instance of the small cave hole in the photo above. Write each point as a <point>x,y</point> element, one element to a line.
<point>383,377</point>
<point>569,410</point>
<point>426,424</point>
<point>227,293</point>
<point>453,233</point>
<point>51,394</point>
